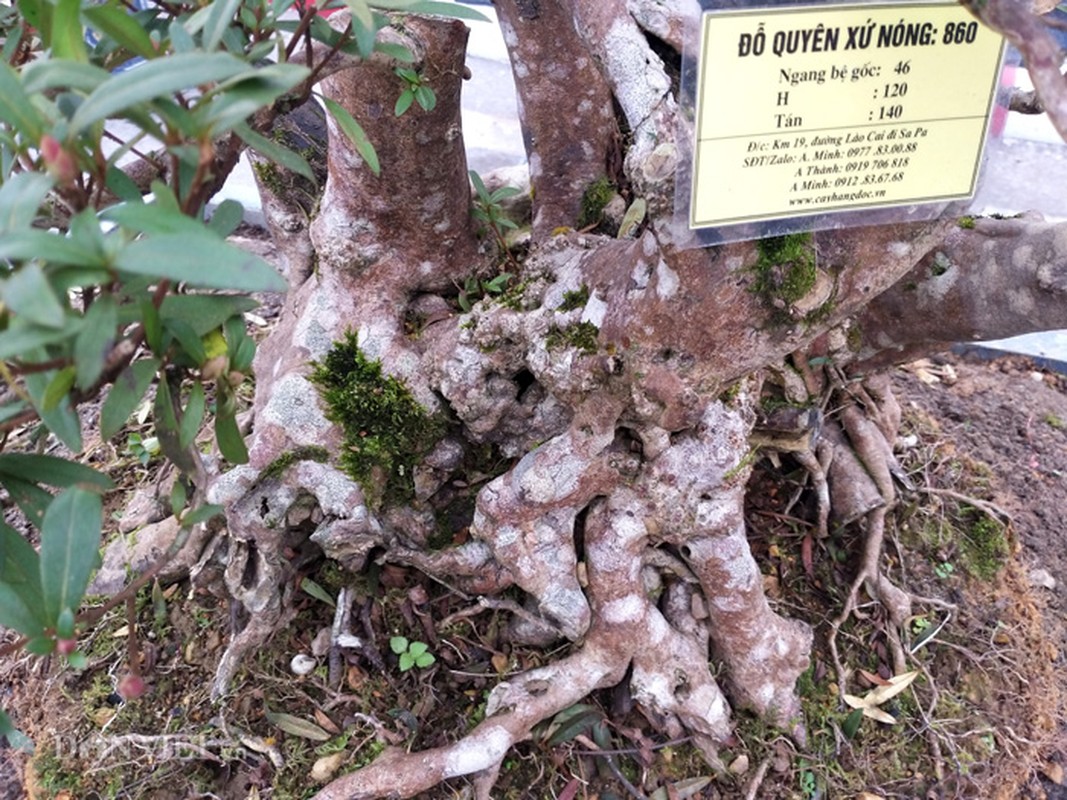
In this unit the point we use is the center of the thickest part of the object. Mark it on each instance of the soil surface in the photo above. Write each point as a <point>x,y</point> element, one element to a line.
<point>983,443</point>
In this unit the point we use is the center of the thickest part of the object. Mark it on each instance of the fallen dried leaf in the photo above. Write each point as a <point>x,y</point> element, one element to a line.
<point>325,722</point>
<point>324,768</point>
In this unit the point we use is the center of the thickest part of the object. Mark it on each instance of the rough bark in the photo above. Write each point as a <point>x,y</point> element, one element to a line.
<point>619,513</point>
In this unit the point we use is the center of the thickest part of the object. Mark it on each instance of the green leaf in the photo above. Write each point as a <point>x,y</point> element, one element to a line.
<point>16,739</point>
<point>316,591</point>
<point>178,498</point>
<point>154,218</point>
<point>78,660</point>
<point>51,471</point>
<point>226,217</point>
<point>219,18</point>
<point>572,721</point>
<point>364,26</point>
<point>156,78</point>
<point>16,108</point>
<point>188,338</point>
<point>503,193</point>
<point>153,326</point>
<point>122,185</point>
<point>112,20</point>
<point>397,52</point>
<point>21,600</point>
<point>67,38</point>
<point>203,260</point>
<point>31,499</point>
<point>424,660</point>
<point>407,661</point>
<point>202,514</point>
<point>22,337</point>
<point>852,723</point>
<point>21,197</point>
<point>31,245</point>
<point>355,134</point>
<point>205,312</point>
<point>180,39</point>
<point>192,417</point>
<point>479,187</point>
<point>28,294</point>
<point>418,648</point>
<point>62,420</point>
<point>61,73</point>
<point>235,100</point>
<point>65,624</point>
<point>70,541</point>
<point>403,103</point>
<point>166,420</point>
<point>398,644</point>
<point>297,726</point>
<point>95,340</point>
<point>40,645</point>
<point>228,436</point>
<point>58,388</point>
<point>275,152</point>
<point>426,97</point>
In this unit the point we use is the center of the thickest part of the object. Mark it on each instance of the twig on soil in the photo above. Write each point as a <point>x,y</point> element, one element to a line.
<point>496,604</point>
<point>592,748</point>
<point>991,509</point>
<point>757,780</point>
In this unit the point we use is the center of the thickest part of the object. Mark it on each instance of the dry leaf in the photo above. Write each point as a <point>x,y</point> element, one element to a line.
<point>297,726</point>
<point>500,663</point>
<point>327,724</point>
<point>873,677</point>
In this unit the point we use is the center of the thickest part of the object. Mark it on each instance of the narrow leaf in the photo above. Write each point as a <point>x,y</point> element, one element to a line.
<point>125,395</point>
<point>403,103</point>
<point>192,417</point>
<point>219,18</point>
<point>228,436</point>
<point>112,20</point>
<point>58,388</point>
<point>70,541</point>
<point>205,312</point>
<point>156,78</point>
<point>28,293</point>
<point>275,152</point>
<point>297,726</point>
<point>33,245</point>
<point>200,261</point>
<point>897,684</point>
<point>354,132</point>
<point>226,217</point>
<point>62,420</point>
<point>50,470</point>
<point>21,601</point>
<point>95,340</point>
<point>21,197</point>
<point>16,108</point>
<point>31,499</point>
<point>67,36</point>
<point>316,591</point>
<point>16,739</point>
<point>201,514</point>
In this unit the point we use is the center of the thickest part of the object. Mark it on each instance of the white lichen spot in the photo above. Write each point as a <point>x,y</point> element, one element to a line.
<point>625,609</point>
<point>585,107</point>
<point>667,282</point>
<point>1021,256</point>
<point>293,407</point>
<point>595,309</point>
<point>711,515</point>
<point>636,71</point>
<point>477,752</point>
<point>899,249</point>
<point>1020,302</point>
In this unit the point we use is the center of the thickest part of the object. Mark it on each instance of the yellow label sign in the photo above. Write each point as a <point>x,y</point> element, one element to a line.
<point>807,110</point>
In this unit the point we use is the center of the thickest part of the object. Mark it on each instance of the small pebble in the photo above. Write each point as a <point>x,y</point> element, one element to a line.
<point>302,664</point>
<point>1042,578</point>
<point>739,766</point>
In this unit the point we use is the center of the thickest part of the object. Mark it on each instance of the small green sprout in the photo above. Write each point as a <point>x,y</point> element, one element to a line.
<point>412,654</point>
<point>415,90</point>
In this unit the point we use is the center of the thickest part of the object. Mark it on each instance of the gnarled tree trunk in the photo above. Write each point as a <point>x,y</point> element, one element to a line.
<point>622,383</point>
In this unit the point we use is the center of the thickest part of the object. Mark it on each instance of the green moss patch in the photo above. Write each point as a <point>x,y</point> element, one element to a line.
<point>386,431</point>
<point>785,271</point>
